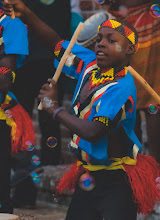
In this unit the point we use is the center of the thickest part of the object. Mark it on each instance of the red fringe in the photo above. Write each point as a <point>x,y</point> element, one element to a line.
<point>142,178</point>
<point>69,180</point>
<point>24,129</point>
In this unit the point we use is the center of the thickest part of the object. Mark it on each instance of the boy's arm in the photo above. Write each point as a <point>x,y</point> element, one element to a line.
<point>46,34</point>
<point>90,131</point>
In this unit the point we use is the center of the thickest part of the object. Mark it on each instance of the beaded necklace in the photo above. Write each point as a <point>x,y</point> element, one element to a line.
<point>101,76</point>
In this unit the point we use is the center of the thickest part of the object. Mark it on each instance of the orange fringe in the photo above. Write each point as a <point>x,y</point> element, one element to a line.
<point>142,178</point>
<point>24,129</point>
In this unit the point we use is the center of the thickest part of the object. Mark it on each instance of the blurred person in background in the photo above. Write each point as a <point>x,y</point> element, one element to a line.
<point>16,126</point>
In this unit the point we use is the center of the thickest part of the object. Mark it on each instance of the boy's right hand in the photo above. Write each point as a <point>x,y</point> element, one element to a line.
<point>17,5</point>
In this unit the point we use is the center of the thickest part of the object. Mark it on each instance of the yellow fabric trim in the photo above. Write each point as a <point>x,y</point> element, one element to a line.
<point>149,43</point>
<point>114,166</point>
<point>14,76</point>
<point>7,99</point>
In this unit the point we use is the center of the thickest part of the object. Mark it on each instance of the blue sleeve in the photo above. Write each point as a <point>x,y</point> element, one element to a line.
<point>15,36</point>
<point>85,55</point>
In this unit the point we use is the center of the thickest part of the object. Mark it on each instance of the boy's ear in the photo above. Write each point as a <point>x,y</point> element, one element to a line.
<point>131,49</point>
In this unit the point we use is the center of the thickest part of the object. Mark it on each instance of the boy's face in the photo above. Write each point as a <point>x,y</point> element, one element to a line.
<point>111,48</point>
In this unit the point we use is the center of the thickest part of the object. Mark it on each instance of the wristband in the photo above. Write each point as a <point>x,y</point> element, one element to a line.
<point>57,110</point>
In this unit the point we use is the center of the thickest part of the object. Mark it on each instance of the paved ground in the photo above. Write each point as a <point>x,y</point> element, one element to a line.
<point>43,211</point>
<point>46,211</point>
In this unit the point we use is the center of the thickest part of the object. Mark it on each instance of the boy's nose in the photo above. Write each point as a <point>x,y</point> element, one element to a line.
<point>102,43</point>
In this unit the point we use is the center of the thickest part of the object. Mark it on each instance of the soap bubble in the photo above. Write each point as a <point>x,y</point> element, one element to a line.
<point>152,109</point>
<point>30,147</point>
<point>86,182</point>
<point>51,142</point>
<point>35,160</point>
<point>35,177</point>
<point>155,10</point>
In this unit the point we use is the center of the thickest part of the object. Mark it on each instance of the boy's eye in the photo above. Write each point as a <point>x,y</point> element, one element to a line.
<point>98,39</point>
<point>111,41</point>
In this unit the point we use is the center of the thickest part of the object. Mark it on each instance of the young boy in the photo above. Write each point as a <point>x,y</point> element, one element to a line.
<point>104,105</point>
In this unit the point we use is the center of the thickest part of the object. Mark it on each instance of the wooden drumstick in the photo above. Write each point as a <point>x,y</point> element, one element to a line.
<point>144,83</point>
<point>65,55</point>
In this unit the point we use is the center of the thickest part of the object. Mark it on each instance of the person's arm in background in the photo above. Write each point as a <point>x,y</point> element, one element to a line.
<point>46,34</point>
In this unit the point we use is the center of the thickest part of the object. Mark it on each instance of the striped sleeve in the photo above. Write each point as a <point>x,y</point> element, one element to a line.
<point>77,60</point>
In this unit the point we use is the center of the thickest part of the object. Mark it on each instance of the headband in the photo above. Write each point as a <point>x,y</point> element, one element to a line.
<point>122,29</point>
<point>8,73</point>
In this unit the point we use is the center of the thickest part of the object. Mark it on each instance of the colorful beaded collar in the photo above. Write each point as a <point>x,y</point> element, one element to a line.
<point>100,77</point>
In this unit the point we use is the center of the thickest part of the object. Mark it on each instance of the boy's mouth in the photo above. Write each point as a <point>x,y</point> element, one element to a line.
<point>100,54</point>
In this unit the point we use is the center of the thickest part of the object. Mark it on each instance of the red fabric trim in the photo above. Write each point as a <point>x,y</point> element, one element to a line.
<point>90,64</point>
<point>80,65</point>
<point>87,158</point>
<point>77,140</point>
<point>130,110</point>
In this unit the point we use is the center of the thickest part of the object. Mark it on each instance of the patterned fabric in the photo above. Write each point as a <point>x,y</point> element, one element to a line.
<point>122,29</point>
<point>146,60</point>
<point>105,101</point>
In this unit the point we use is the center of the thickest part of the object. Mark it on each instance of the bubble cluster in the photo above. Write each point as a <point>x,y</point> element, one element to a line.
<point>158,183</point>
<point>152,109</point>
<point>155,10</point>
<point>35,160</point>
<point>51,142</point>
<point>30,147</point>
<point>86,182</point>
<point>35,177</point>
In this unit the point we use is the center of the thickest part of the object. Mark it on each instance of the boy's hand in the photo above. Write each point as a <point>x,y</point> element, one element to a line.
<point>49,94</point>
<point>17,5</point>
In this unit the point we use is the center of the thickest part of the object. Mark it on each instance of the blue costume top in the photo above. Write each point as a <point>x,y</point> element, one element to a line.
<point>14,36</point>
<point>104,102</point>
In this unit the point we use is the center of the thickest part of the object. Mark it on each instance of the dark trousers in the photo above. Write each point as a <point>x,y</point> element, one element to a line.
<point>5,167</point>
<point>111,199</point>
